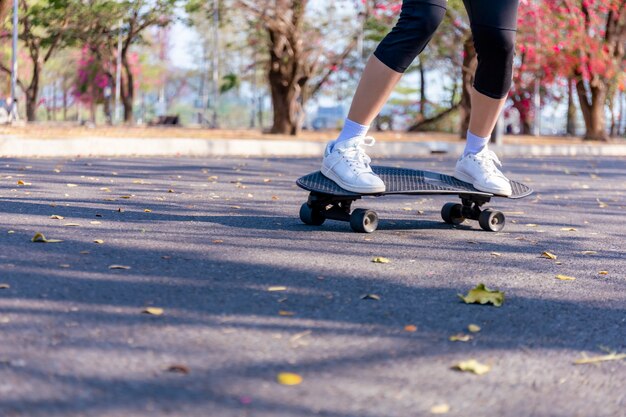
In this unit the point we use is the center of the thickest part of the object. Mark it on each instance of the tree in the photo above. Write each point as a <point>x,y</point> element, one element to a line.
<point>583,41</point>
<point>301,61</point>
<point>42,31</point>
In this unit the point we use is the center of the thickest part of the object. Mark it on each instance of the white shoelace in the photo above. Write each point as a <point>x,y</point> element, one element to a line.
<point>356,156</point>
<point>489,161</point>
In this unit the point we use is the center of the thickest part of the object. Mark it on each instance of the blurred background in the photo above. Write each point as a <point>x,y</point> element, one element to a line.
<point>284,66</point>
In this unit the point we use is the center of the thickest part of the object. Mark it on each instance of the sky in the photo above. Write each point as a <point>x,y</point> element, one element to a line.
<point>182,37</point>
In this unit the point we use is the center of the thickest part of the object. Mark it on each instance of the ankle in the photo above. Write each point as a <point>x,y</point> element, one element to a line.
<point>352,130</point>
<point>475,144</point>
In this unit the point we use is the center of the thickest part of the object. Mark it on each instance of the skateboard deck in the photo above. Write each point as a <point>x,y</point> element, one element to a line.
<point>329,201</point>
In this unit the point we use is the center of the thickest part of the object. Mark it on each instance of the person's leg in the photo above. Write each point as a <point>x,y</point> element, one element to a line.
<point>344,160</point>
<point>493,27</point>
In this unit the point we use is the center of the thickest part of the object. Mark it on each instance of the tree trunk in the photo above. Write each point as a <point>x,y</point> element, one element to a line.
<point>422,90</point>
<point>128,89</point>
<point>571,110</point>
<point>283,101</point>
<point>593,112</point>
<point>469,69</point>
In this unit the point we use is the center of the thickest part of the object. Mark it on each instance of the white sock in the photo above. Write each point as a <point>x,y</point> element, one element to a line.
<point>352,130</point>
<point>474,144</point>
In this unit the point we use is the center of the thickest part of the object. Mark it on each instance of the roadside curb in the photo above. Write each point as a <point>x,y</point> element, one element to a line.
<point>99,146</point>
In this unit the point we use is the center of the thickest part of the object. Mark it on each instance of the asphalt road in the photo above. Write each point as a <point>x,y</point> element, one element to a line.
<point>205,239</point>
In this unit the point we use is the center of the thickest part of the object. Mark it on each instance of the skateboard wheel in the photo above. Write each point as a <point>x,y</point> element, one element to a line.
<point>311,216</point>
<point>452,213</point>
<point>364,221</point>
<point>491,220</point>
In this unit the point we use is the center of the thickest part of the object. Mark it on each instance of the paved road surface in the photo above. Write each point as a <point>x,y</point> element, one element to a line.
<point>220,232</point>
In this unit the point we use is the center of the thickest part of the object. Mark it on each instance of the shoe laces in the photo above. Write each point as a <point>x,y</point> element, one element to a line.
<point>488,160</point>
<point>355,155</point>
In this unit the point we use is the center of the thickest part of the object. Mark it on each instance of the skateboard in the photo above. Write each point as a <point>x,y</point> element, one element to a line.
<point>329,201</point>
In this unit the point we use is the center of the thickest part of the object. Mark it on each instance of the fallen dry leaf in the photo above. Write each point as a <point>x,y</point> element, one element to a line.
<point>40,238</point>
<point>410,328</point>
<point>371,297</point>
<point>483,295</point>
<point>98,241</point>
<point>20,182</point>
<point>569,229</point>
<point>153,311</point>
<point>603,272</point>
<point>380,260</point>
<point>474,328</point>
<point>548,255</point>
<point>496,254</point>
<point>178,369</point>
<point>119,267</point>
<point>440,409</point>
<point>286,313</point>
<point>589,252</point>
<point>57,217</point>
<point>472,366</point>
<point>95,222</point>
<point>288,378</point>
<point>460,337</point>
<point>613,356</point>
<point>72,185</point>
<point>277,288</point>
<point>565,278</point>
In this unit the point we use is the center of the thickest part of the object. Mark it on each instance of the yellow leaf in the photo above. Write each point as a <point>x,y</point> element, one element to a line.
<point>483,295</point>
<point>410,328</point>
<point>40,238</point>
<point>147,211</point>
<point>589,252</point>
<point>565,278</point>
<point>614,356</point>
<point>57,217</point>
<point>473,366</point>
<point>20,182</point>
<point>460,337</point>
<point>277,288</point>
<point>569,229</point>
<point>119,267</point>
<point>474,328</point>
<point>548,255</point>
<point>285,313</point>
<point>532,225</point>
<point>287,378</point>
<point>380,260</point>
<point>603,272</point>
<point>153,311</point>
<point>72,185</point>
<point>98,241</point>
<point>440,409</point>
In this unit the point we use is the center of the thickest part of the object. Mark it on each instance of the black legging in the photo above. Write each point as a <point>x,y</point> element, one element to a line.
<point>493,24</point>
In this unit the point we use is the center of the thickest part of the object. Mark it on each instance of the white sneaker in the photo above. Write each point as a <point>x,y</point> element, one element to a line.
<point>481,170</point>
<point>347,164</point>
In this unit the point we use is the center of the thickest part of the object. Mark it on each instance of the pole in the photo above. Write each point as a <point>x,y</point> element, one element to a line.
<point>216,62</point>
<point>14,58</point>
<point>118,75</point>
